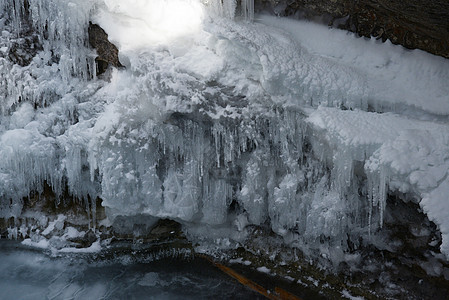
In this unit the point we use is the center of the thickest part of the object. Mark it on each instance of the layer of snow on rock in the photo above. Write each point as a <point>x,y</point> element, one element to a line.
<point>106,138</point>
<point>414,154</point>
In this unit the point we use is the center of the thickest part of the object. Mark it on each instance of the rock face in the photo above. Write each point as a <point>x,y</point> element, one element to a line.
<point>23,49</point>
<point>24,42</point>
<point>107,52</point>
<point>414,24</point>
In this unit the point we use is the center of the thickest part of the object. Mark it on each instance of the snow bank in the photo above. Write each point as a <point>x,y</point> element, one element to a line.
<point>396,79</point>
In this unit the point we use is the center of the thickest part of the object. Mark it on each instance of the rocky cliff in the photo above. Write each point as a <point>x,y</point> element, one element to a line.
<point>414,24</point>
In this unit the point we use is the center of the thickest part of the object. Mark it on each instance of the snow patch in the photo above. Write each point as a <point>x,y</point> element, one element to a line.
<point>264,269</point>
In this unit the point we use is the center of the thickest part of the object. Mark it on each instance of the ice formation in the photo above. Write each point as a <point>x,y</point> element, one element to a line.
<point>217,122</point>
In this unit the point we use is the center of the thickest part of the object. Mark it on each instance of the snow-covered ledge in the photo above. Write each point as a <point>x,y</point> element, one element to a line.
<point>399,154</point>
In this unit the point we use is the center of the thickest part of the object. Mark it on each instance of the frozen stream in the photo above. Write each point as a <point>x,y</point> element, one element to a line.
<point>222,121</point>
<point>32,274</point>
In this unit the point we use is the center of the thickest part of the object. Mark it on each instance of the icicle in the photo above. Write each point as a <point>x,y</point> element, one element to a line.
<point>377,195</point>
<point>64,26</point>
<point>229,7</point>
<point>248,9</point>
<point>383,188</point>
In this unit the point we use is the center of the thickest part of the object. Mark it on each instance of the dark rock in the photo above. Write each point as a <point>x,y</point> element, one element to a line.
<point>165,227</point>
<point>107,52</point>
<point>3,228</point>
<point>402,260</point>
<point>85,241</point>
<point>146,229</point>
<point>24,42</point>
<point>24,49</point>
<point>414,24</point>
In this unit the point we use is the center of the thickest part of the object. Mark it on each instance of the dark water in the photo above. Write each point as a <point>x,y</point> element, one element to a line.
<point>33,274</point>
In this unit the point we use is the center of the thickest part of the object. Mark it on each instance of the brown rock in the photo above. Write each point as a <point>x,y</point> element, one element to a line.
<point>107,52</point>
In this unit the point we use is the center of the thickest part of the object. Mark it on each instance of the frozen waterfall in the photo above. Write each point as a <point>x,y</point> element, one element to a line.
<point>216,122</point>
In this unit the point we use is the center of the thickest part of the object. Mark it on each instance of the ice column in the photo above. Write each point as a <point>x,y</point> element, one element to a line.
<point>248,9</point>
<point>227,8</point>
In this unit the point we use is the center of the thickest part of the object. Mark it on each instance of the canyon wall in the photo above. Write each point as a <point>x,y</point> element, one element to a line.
<point>414,24</point>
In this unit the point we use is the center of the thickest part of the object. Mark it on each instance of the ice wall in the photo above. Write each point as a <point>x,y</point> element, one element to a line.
<point>40,100</point>
<point>398,154</point>
<point>232,8</point>
<point>214,122</point>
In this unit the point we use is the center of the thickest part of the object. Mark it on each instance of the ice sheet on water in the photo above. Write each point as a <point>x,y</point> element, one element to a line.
<point>29,274</point>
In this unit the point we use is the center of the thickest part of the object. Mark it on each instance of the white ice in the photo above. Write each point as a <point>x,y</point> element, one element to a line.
<point>207,95</point>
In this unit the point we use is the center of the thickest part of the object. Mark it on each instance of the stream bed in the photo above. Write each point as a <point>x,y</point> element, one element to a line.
<point>27,273</point>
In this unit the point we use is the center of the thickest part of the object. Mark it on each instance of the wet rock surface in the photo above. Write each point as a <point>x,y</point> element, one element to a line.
<point>414,24</point>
